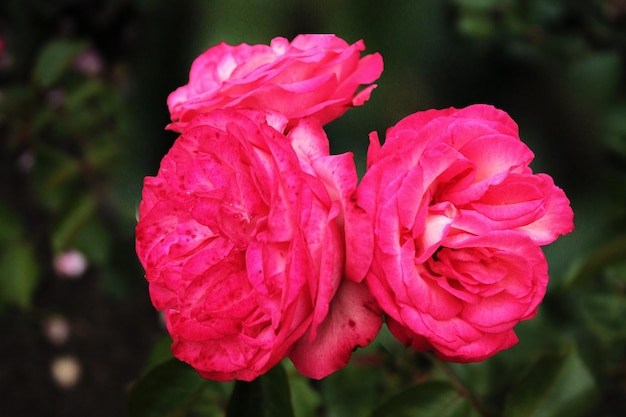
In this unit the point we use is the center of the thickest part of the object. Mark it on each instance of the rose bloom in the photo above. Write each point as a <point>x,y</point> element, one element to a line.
<point>459,218</point>
<point>314,75</point>
<point>243,235</point>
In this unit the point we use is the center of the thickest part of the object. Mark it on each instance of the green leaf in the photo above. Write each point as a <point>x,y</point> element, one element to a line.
<point>357,388</point>
<point>616,132</point>
<point>91,236</point>
<point>609,253</point>
<point>18,274</point>
<point>596,77</point>
<point>557,385</point>
<point>54,58</point>
<point>160,353</point>
<point>56,176</point>
<point>305,399</point>
<point>429,399</point>
<point>477,4</point>
<point>170,389</point>
<point>266,396</point>
<point>74,220</point>
<point>10,227</point>
<point>476,24</point>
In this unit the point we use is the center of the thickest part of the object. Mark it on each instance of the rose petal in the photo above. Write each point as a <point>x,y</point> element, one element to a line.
<point>353,321</point>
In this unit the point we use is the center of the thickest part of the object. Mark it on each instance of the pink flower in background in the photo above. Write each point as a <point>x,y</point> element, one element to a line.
<point>459,218</point>
<point>70,264</point>
<point>314,75</point>
<point>89,62</point>
<point>244,234</point>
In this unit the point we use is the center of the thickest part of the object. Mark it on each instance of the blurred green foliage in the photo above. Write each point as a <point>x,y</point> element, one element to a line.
<point>82,111</point>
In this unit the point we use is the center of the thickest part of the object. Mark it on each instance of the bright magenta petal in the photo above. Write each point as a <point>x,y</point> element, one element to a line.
<point>353,321</point>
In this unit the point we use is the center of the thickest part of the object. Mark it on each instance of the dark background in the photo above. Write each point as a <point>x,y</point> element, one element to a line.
<point>78,140</point>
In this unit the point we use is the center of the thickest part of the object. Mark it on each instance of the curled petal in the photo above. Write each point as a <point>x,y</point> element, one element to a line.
<point>315,76</point>
<point>353,321</point>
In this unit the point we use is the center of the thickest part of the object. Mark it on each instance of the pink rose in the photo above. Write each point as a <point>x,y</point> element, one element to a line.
<point>243,235</point>
<point>314,75</point>
<point>458,219</point>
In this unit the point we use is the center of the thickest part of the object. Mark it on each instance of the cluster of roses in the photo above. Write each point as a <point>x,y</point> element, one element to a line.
<point>258,244</point>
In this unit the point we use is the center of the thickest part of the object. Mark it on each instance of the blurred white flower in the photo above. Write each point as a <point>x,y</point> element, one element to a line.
<point>65,371</point>
<point>70,264</point>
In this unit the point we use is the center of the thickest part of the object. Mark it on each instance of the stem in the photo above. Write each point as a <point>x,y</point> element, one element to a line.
<point>458,385</point>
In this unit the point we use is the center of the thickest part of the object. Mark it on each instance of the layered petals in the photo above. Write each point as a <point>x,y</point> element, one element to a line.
<point>316,76</point>
<point>242,234</point>
<point>458,219</point>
